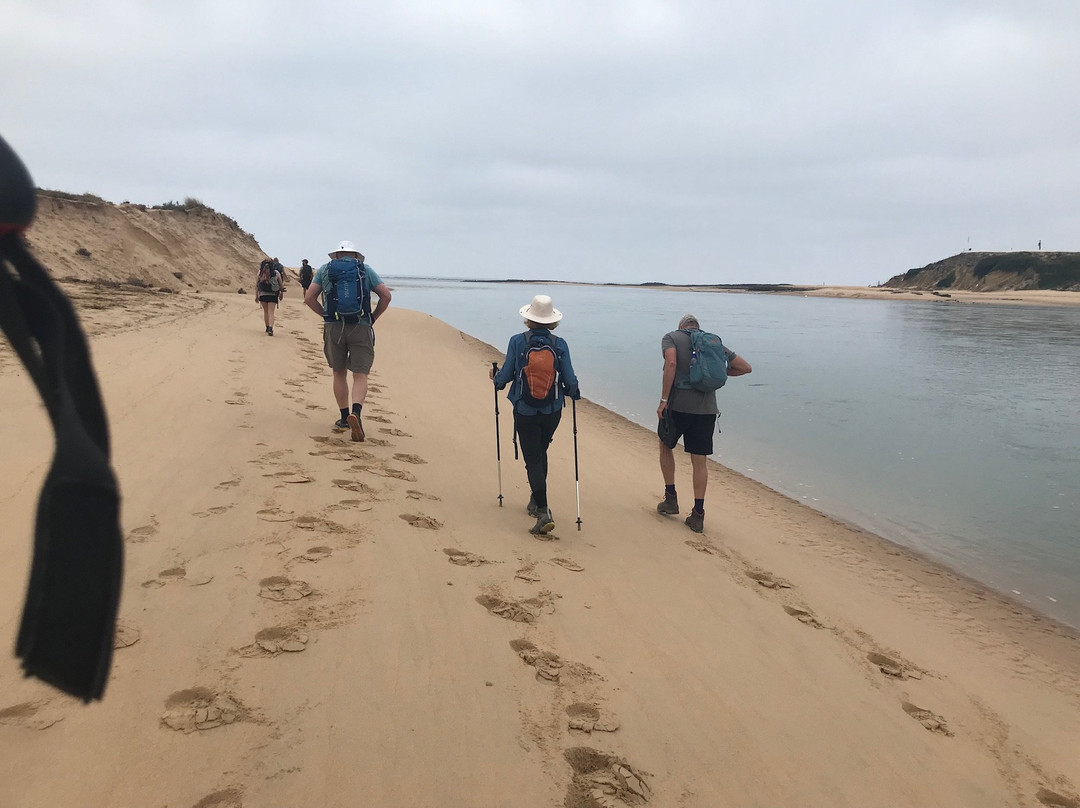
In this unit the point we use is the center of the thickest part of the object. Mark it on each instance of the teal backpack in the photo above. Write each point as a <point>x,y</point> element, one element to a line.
<point>708,362</point>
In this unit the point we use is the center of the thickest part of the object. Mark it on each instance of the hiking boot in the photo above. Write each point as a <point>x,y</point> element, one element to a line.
<point>545,522</point>
<point>531,508</point>
<point>341,423</point>
<point>669,506</point>
<point>696,521</point>
<point>356,427</point>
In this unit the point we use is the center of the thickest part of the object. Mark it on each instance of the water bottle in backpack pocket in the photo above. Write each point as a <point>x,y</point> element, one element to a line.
<point>348,299</point>
<point>539,374</point>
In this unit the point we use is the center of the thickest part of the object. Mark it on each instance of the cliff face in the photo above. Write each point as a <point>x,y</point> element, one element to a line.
<point>995,272</point>
<point>178,247</point>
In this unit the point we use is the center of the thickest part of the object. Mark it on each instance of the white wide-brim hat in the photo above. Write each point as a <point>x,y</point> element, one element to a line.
<point>541,311</point>
<point>345,246</point>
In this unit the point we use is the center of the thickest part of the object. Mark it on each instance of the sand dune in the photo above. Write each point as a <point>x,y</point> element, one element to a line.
<point>309,621</point>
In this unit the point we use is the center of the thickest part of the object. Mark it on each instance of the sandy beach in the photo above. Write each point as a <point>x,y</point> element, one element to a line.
<point>308,621</point>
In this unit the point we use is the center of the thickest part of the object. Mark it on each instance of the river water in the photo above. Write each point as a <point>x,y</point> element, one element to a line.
<point>951,429</point>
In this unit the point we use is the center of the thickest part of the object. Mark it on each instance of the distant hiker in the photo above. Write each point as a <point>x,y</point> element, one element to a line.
<point>346,283</point>
<point>688,407</point>
<point>540,375</point>
<point>306,273</point>
<point>270,286</point>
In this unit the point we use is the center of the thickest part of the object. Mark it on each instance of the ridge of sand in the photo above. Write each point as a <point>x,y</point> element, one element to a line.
<point>308,621</point>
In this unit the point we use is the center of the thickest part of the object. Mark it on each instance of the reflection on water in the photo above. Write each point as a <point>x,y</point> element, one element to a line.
<point>951,428</point>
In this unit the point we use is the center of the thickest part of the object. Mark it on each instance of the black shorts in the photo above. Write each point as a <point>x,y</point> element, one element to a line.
<point>695,430</point>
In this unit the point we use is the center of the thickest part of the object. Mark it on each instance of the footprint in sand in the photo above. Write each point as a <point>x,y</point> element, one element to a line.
<point>409,458</point>
<point>278,587</point>
<point>291,477</point>
<point>318,523</point>
<point>276,640</point>
<point>200,708</point>
<point>275,515</point>
<point>143,533</point>
<point>36,715</point>
<point>934,723</point>
<point>174,575</point>
<point>566,563</point>
<point>601,779</point>
<point>125,635</point>
<point>803,616</point>
<point>520,611</point>
<point>893,667</point>
<point>463,559</point>
<point>1052,799</point>
<point>386,471</point>
<point>412,493</point>
<point>343,454</point>
<point>767,579</point>
<point>528,573</point>
<point>226,798</point>
<point>397,433</point>
<point>377,442</point>
<point>589,718</point>
<point>704,546</point>
<point>548,665</point>
<point>236,402</point>
<point>356,505</point>
<point>217,510</point>
<point>228,484</point>
<point>377,419</point>
<point>421,521</point>
<point>316,554</point>
<point>354,485</point>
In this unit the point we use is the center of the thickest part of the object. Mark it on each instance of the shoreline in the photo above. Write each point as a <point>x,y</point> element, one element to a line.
<point>1025,297</point>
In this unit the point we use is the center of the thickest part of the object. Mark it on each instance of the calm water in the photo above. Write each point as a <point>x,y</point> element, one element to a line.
<point>952,429</point>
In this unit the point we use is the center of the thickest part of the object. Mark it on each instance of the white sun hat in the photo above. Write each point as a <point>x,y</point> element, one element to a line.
<point>345,246</point>
<point>541,311</point>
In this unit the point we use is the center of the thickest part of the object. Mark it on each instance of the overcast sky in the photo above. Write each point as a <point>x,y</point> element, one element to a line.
<point>689,142</point>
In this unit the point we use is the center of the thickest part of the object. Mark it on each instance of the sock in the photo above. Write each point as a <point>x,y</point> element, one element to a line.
<point>356,408</point>
<point>669,491</point>
<point>344,414</point>
<point>699,505</point>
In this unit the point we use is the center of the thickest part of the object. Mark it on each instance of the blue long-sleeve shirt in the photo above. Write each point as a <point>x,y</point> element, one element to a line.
<point>509,373</point>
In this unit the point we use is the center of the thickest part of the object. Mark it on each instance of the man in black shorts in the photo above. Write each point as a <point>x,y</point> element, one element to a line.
<point>688,414</point>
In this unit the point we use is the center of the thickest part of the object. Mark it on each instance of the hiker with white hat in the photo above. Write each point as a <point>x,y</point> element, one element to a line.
<point>541,377</point>
<point>346,283</point>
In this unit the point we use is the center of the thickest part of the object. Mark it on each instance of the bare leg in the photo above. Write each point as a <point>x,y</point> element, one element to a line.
<point>359,388</point>
<point>266,313</point>
<point>270,313</point>
<point>341,389</point>
<point>701,475</point>
<point>667,465</point>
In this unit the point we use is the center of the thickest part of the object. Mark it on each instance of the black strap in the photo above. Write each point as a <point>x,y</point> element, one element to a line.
<point>69,617</point>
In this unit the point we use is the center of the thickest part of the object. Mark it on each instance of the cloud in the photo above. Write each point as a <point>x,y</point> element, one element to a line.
<point>710,142</point>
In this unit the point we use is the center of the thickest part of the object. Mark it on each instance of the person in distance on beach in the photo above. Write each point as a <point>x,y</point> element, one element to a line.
<point>688,413</point>
<point>538,369</point>
<point>270,286</point>
<point>346,283</point>
<point>306,274</point>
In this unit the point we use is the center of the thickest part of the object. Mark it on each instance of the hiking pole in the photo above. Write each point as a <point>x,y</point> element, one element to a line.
<point>577,484</point>
<point>498,451</point>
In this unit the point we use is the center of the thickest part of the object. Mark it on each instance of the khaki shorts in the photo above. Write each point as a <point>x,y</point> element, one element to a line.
<point>349,347</point>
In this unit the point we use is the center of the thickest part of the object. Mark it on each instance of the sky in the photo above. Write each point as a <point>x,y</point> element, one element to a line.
<point>765,141</point>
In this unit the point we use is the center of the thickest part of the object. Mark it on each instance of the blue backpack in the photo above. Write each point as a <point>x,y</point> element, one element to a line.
<point>708,362</point>
<point>348,298</point>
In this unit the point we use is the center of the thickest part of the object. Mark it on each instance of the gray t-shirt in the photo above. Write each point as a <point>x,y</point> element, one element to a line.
<point>689,401</point>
